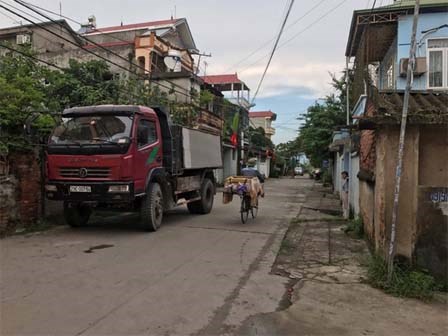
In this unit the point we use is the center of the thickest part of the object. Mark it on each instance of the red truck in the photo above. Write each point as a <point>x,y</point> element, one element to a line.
<point>129,158</point>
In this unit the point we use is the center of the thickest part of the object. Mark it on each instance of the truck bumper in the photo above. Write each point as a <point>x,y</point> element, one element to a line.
<point>99,192</point>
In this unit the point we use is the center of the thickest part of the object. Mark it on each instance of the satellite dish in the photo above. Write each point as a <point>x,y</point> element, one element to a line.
<point>171,62</point>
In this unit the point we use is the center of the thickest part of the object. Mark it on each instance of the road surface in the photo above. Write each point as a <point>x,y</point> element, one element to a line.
<point>198,275</point>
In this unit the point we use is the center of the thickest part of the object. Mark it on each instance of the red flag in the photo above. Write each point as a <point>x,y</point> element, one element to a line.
<point>234,139</point>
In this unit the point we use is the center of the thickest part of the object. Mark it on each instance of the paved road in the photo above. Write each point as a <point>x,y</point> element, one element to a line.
<point>198,275</point>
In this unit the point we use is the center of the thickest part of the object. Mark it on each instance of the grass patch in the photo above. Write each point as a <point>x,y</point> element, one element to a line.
<point>355,228</point>
<point>287,246</point>
<point>406,281</point>
<point>40,225</point>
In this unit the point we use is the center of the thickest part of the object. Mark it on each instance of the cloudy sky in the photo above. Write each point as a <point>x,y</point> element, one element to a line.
<point>312,45</point>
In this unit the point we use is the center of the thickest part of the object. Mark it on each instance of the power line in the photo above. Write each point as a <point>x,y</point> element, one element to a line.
<point>297,34</point>
<point>9,17</point>
<point>274,49</point>
<point>273,38</point>
<point>53,12</point>
<point>87,50</point>
<point>31,57</point>
<point>99,56</point>
<point>25,4</point>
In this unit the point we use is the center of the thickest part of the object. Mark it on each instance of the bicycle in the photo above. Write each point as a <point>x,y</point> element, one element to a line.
<point>246,204</point>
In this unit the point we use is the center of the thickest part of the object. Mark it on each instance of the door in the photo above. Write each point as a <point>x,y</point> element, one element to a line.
<point>149,151</point>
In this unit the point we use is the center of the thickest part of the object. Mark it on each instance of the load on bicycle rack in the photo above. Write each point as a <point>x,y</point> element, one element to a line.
<point>248,189</point>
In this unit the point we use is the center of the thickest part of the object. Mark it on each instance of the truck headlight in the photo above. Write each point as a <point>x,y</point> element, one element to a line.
<point>50,187</point>
<point>123,188</point>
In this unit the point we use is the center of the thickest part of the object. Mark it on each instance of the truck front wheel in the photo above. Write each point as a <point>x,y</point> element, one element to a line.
<point>205,204</point>
<point>76,214</point>
<point>151,211</point>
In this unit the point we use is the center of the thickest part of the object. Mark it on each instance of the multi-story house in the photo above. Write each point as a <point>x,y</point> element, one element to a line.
<point>140,48</point>
<point>236,116</point>
<point>379,45</point>
<point>264,120</point>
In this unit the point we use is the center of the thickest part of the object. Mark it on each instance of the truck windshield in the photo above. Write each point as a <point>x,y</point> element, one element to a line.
<point>92,129</point>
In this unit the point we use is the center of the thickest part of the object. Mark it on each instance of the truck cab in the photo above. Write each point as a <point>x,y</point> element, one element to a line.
<point>129,158</point>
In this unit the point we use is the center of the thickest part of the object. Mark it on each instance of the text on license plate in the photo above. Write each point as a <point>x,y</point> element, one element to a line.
<point>80,189</point>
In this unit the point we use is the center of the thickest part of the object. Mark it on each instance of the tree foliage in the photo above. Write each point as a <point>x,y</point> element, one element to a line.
<point>320,121</point>
<point>316,135</point>
<point>258,140</point>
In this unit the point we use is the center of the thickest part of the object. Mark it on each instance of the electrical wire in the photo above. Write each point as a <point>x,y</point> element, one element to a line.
<point>273,38</point>
<point>105,49</point>
<point>9,17</point>
<point>99,56</point>
<point>25,4</point>
<point>91,52</point>
<point>297,34</point>
<point>273,50</point>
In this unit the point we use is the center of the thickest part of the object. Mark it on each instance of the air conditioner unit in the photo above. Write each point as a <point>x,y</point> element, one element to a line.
<point>23,39</point>
<point>420,66</point>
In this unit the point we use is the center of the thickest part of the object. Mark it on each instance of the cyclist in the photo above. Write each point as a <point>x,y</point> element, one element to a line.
<point>251,171</point>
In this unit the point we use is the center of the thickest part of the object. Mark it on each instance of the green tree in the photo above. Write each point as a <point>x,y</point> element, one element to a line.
<point>321,120</point>
<point>22,92</point>
<point>258,139</point>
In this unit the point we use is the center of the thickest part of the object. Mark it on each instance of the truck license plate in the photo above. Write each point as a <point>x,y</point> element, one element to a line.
<point>80,189</point>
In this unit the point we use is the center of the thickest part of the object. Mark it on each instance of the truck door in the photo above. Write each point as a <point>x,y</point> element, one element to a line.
<point>149,151</point>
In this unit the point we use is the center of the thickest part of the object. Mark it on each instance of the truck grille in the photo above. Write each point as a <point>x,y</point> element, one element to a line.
<point>84,172</point>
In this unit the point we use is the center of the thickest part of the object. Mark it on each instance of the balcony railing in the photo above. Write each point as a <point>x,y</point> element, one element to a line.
<point>270,130</point>
<point>243,102</point>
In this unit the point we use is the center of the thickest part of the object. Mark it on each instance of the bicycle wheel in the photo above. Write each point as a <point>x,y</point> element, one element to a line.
<point>254,210</point>
<point>244,211</point>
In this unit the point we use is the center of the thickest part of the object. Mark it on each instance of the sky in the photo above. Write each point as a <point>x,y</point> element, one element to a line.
<point>312,45</point>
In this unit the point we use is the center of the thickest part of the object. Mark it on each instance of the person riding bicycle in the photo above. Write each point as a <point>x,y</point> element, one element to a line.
<point>251,171</point>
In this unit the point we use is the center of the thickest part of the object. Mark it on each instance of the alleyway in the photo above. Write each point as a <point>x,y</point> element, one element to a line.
<point>198,274</point>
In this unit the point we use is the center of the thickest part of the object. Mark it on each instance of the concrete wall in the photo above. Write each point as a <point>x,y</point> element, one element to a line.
<point>337,173</point>
<point>367,208</point>
<point>354,184</point>
<point>431,242</point>
<point>230,162</point>
<point>387,149</point>
<point>264,166</point>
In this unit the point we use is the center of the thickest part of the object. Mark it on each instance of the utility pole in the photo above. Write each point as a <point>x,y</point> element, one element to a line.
<point>347,81</point>
<point>404,116</point>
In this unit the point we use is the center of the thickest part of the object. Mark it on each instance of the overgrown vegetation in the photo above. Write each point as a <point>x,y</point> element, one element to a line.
<point>355,228</point>
<point>406,281</point>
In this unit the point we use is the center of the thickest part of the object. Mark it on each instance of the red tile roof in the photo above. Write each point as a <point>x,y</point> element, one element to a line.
<point>133,26</point>
<point>221,79</point>
<point>263,114</point>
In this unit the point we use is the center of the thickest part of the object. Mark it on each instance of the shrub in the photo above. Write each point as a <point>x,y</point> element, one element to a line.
<point>355,227</point>
<point>405,281</point>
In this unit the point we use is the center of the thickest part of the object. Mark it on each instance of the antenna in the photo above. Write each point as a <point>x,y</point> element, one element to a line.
<point>170,62</point>
<point>60,9</point>
<point>173,60</point>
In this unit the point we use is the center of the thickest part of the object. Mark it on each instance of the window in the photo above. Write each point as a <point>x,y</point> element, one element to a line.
<point>146,133</point>
<point>438,63</point>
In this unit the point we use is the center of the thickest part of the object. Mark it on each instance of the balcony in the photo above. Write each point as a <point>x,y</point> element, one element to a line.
<point>270,131</point>
<point>241,101</point>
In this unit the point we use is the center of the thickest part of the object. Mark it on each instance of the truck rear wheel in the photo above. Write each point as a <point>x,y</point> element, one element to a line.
<point>151,211</point>
<point>76,215</point>
<point>205,204</point>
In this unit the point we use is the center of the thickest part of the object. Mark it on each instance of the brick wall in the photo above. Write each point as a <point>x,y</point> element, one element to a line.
<point>8,203</point>
<point>367,143</point>
<point>26,168</point>
<point>367,151</point>
<point>22,192</point>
